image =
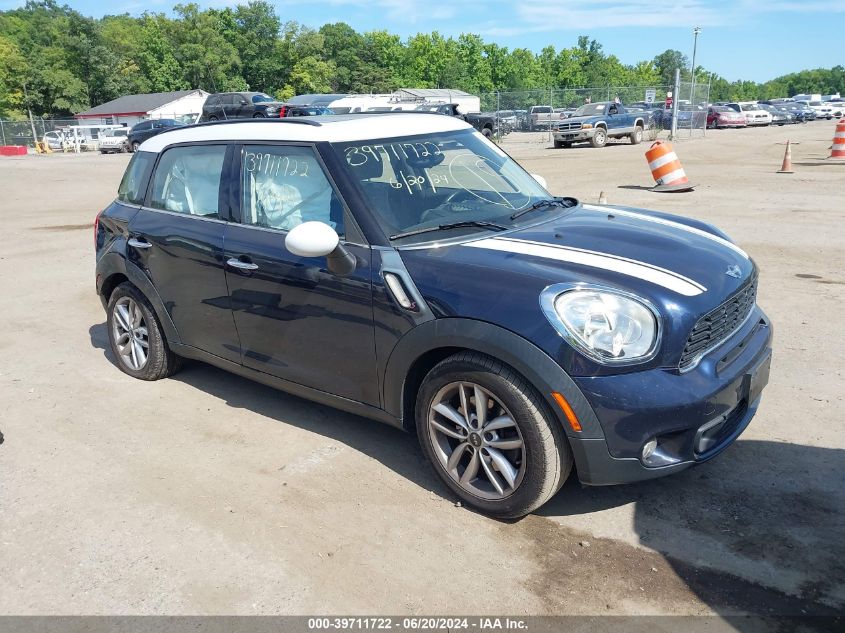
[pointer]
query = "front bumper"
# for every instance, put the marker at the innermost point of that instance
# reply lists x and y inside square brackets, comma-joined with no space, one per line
[574,136]
[694,416]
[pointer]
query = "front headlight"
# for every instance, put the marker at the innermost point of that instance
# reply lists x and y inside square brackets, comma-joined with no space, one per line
[586,126]
[607,326]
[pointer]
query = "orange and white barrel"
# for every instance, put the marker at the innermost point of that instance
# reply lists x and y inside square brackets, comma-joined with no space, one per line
[665,168]
[838,148]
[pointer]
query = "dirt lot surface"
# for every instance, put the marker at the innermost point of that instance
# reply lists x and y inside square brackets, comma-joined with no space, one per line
[209,494]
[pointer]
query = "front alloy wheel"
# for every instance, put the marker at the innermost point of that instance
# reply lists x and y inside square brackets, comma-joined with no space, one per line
[476,440]
[490,436]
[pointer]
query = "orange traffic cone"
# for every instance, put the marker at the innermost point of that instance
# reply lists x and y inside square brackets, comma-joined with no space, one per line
[837,150]
[666,169]
[786,168]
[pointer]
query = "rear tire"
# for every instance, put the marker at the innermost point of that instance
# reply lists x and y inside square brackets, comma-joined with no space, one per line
[637,135]
[136,337]
[212,118]
[508,455]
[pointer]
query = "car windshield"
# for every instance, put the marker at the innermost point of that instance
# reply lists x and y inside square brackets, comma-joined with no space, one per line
[425,181]
[120,132]
[589,109]
[262,98]
[721,109]
[312,111]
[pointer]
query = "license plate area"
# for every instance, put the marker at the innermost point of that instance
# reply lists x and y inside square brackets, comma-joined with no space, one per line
[759,378]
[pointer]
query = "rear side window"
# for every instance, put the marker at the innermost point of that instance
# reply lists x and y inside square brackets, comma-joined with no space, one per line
[187,180]
[133,186]
[284,186]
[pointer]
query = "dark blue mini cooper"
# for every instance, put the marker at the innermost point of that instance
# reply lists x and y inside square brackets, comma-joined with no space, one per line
[404,268]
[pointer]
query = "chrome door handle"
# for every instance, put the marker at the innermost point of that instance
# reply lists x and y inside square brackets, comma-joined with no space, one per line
[136,243]
[236,263]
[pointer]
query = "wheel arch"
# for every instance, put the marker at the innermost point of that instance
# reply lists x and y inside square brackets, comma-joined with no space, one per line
[429,343]
[113,269]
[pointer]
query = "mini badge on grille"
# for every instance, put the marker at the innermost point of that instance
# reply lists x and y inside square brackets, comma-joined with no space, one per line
[734,271]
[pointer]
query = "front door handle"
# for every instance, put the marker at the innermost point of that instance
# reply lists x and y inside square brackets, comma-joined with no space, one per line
[236,263]
[136,243]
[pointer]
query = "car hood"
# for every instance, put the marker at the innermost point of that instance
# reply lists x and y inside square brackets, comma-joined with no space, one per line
[683,267]
[581,119]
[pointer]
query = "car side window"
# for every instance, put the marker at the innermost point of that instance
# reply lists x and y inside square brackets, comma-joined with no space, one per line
[133,185]
[187,180]
[284,186]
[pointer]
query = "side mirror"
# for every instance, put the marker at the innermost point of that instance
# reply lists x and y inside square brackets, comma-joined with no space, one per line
[317,239]
[540,180]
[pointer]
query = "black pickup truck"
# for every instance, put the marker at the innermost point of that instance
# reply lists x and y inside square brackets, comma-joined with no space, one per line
[484,123]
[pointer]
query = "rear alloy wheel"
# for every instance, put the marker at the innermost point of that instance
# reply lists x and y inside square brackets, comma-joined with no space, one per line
[212,118]
[489,437]
[599,138]
[136,337]
[637,135]
[258,115]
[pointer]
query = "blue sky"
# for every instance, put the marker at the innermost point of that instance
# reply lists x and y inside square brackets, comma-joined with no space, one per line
[740,39]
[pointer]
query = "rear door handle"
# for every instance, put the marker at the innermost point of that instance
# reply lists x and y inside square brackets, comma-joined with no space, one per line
[136,243]
[236,263]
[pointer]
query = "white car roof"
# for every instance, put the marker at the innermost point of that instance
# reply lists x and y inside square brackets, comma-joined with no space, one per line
[339,128]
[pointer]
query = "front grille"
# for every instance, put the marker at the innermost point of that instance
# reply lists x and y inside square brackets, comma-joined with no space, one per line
[717,325]
[568,127]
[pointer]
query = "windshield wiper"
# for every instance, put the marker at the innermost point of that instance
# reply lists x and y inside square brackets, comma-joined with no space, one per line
[451,225]
[549,202]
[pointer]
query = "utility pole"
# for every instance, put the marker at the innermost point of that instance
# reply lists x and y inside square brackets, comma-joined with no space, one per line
[695,33]
[29,111]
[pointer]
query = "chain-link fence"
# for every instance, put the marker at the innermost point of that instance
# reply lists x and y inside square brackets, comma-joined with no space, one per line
[542,110]
[19,132]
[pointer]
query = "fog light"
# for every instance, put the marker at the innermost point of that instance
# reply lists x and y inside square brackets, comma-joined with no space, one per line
[649,448]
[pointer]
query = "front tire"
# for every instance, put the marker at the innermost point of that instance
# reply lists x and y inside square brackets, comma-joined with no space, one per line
[599,138]
[487,132]
[489,436]
[136,338]
[135,146]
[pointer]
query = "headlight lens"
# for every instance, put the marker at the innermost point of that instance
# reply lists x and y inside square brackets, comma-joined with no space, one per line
[606,326]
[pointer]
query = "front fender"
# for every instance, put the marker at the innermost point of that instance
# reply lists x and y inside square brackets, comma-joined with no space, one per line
[520,354]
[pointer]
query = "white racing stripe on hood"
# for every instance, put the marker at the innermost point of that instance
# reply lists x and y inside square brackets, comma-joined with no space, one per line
[674,225]
[640,270]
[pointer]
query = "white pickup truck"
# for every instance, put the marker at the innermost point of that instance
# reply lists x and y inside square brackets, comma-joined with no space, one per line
[542,117]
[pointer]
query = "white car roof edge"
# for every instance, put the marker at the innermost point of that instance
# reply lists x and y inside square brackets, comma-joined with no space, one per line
[336,129]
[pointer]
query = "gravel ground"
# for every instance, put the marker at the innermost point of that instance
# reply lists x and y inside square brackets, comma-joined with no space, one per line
[209,494]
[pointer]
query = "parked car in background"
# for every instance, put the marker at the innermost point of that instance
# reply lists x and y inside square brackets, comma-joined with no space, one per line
[689,117]
[541,117]
[801,112]
[54,139]
[140,132]
[597,122]
[754,114]
[288,109]
[779,117]
[837,108]
[484,123]
[723,116]
[420,276]
[116,140]
[239,105]
[508,120]
[823,110]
